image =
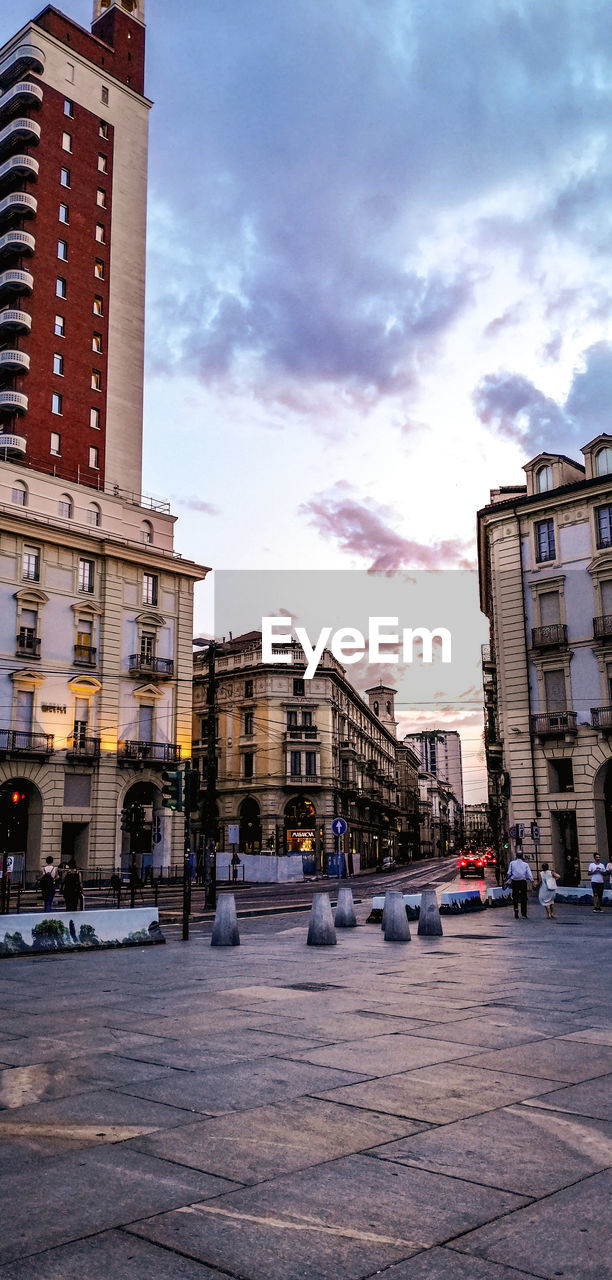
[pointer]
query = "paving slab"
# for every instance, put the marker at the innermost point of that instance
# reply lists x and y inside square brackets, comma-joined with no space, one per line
[59,1119]
[532,1152]
[90,1191]
[111,1255]
[355,1217]
[446,1264]
[20,1086]
[49,1048]
[382,1055]
[565,1235]
[485,1031]
[441,1093]
[554,1059]
[242,1085]
[591,1098]
[272,1140]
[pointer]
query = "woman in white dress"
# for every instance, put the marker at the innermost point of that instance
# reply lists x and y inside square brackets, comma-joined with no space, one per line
[548,889]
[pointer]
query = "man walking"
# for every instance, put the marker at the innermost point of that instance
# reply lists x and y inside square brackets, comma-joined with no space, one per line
[597,871]
[519,874]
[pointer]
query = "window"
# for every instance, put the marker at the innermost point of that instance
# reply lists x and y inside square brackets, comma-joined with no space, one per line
[24,710]
[86,575]
[149,588]
[145,722]
[96,343]
[104,94]
[554,686]
[64,213]
[248,764]
[103,129]
[62,250]
[96,380]
[298,688]
[94,457]
[545,540]
[59,327]
[56,403]
[560,775]
[550,608]
[19,494]
[99,269]
[56,444]
[101,197]
[102,163]
[64,177]
[70,72]
[603,517]
[543,479]
[248,722]
[603,461]
[311,764]
[28,631]
[98,306]
[307,719]
[146,532]
[31,564]
[93,516]
[100,233]
[58,364]
[147,648]
[248,688]
[65,507]
[60,287]
[69,108]
[296,764]
[94,419]
[66,141]
[344,770]
[291,719]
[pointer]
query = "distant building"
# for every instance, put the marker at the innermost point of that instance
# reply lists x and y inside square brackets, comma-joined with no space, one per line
[440,815]
[476,825]
[439,751]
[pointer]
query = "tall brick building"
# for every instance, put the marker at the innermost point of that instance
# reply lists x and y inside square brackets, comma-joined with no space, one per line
[95,607]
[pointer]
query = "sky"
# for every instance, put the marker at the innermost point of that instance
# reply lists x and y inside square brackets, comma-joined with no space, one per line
[379,271]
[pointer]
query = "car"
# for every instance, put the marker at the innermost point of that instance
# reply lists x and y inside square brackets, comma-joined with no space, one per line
[471,863]
[490,856]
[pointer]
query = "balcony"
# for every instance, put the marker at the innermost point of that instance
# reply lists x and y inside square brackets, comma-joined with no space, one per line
[487,654]
[27,645]
[13,361]
[131,751]
[18,204]
[24,59]
[17,242]
[19,168]
[22,742]
[16,281]
[299,733]
[13,402]
[601,718]
[12,446]
[142,664]
[18,321]
[554,724]
[21,131]
[553,636]
[84,749]
[23,95]
[602,627]
[303,779]
[85,655]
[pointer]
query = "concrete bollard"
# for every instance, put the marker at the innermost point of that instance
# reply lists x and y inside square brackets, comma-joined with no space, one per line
[225,929]
[321,932]
[397,928]
[345,917]
[430,924]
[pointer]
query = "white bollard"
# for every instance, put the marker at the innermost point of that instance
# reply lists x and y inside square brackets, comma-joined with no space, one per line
[225,929]
[430,924]
[345,917]
[321,932]
[397,928]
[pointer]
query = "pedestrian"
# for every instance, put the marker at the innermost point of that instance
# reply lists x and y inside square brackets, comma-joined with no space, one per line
[235,865]
[519,875]
[597,871]
[548,889]
[72,887]
[47,883]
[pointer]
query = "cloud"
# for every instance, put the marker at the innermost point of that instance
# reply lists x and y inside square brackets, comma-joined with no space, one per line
[362,529]
[197,504]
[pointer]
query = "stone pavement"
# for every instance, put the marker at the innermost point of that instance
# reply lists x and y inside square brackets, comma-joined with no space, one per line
[439,1108]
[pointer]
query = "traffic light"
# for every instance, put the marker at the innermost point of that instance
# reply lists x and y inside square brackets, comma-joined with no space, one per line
[138,816]
[192,790]
[172,790]
[270,842]
[127,817]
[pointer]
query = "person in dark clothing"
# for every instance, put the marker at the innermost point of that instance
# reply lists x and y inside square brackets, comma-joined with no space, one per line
[48,882]
[72,887]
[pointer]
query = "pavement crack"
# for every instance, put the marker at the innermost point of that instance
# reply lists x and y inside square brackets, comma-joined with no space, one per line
[299,1222]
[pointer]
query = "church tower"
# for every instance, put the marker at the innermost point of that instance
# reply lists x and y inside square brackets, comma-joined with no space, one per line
[382,702]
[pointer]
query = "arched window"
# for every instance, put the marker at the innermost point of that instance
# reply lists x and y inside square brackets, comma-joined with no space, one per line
[147,531]
[388,708]
[64,506]
[94,515]
[543,479]
[19,494]
[375,708]
[603,461]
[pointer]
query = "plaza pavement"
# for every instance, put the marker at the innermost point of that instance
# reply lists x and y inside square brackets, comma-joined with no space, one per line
[441,1108]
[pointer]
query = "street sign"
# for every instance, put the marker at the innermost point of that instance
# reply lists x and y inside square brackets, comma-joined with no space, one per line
[520,830]
[339,826]
[233,833]
[512,833]
[535,832]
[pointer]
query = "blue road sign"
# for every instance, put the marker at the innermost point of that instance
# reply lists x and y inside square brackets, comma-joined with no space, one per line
[338,826]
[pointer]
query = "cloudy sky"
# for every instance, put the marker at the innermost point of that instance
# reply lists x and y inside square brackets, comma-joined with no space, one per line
[380,271]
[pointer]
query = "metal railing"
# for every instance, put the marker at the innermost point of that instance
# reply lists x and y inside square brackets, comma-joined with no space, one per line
[151,665]
[84,748]
[601,717]
[550,637]
[602,627]
[85,655]
[153,752]
[23,740]
[553,724]
[312,779]
[310,733]
[26,643]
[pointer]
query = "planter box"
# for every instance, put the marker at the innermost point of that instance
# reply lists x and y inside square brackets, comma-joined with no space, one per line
[262,868]
[412,903]
[461,900]
[37,932]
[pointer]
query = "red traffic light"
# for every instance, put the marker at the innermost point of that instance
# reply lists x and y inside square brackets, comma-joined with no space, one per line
[17,796]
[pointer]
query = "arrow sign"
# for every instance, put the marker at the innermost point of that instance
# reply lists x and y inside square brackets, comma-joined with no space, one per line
[338,826]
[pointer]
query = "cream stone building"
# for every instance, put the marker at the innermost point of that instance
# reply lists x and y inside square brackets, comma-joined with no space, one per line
[295,753]
[545,558]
